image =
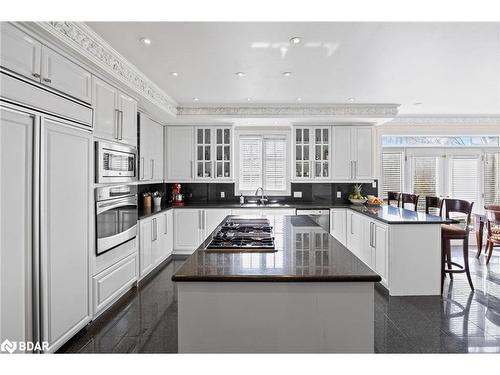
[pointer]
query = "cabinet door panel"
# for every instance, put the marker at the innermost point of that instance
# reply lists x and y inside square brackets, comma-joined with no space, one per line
[381,252]
[146,246]
[187,228]
[342,168]
[16,176]
[105,103]
[20,53]
[179,153]
[65,230]
[363,167]
[64,75]
[213,217]
[128,121]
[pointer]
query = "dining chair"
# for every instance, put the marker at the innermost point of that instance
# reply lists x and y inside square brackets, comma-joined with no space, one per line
[393,196]
[493,231]
[406,198]
[433,202]
[455,232]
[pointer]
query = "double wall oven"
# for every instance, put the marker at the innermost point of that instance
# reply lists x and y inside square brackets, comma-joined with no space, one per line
[115,205]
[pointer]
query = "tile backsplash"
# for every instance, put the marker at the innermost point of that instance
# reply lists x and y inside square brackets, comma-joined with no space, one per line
[311,192]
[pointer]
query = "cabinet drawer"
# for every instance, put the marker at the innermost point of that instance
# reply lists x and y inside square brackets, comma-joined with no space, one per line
[113,282]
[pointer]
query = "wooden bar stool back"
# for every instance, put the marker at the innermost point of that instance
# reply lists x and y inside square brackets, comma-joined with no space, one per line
[433,202]
[455,232]
[406,198]
[393,196]
[493,228]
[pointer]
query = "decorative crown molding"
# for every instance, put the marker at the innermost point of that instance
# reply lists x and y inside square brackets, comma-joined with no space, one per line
[273,110]
[445,120]
[86,42]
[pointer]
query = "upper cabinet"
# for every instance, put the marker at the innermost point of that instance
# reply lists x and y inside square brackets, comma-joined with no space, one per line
[115,113]
[63,75]
[312,153]
[179,159]
[25,56]
[353,153]
[213,153]
[20,53]
[150,149]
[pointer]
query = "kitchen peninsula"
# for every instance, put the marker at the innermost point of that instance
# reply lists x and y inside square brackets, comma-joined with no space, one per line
[311,295]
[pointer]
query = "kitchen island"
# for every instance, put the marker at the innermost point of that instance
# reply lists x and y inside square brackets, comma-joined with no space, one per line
[311,295]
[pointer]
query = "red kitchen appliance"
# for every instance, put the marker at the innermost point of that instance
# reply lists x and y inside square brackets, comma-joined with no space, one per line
[177,197]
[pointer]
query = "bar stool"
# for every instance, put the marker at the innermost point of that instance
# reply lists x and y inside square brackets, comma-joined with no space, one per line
[393,196]
[454,232]
[405,198]
[493,227]
[433,202]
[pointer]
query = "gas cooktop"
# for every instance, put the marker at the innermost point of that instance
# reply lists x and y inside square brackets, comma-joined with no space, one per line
[238,234]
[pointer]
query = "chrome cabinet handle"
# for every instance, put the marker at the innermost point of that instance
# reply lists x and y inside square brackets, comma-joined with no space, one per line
[152,230]
[199,219]
[355,163]
[152,169]
[374,236]
[351,225]
[166,223]
[191,169]
[204,218]
[36,75]
[48,80]
[121,125]
[117,124]
[142,168]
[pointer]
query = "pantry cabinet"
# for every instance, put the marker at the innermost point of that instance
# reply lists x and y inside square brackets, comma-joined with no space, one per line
[115,113]
[179,151]
[150,150]
[311,149]
[353,153]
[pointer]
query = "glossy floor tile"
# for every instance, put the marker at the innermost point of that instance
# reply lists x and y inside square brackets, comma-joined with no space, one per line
[145,320]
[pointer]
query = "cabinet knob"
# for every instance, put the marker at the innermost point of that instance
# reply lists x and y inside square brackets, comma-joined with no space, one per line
[48,80]
[36,75]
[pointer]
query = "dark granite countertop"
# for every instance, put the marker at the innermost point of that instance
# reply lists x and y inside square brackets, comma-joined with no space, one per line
[396,215]
[305,253]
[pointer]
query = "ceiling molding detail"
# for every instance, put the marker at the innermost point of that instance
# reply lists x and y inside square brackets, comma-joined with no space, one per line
[445,120]
[86,42]
[273,110]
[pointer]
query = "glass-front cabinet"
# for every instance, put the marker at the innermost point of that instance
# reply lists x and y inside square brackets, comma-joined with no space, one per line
[312,152]
[213,153]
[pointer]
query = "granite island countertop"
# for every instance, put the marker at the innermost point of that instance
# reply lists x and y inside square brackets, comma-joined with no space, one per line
[397,215]
[305,253]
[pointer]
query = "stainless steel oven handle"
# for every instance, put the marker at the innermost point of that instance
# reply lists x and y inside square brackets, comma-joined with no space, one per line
[101,207]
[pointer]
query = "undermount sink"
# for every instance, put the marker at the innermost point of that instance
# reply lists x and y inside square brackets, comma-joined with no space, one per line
[255,204]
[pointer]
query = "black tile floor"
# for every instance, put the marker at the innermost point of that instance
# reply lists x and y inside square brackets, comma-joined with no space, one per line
[145,320]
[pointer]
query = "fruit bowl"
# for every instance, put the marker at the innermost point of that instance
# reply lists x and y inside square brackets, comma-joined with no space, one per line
[373,204]
[357,201]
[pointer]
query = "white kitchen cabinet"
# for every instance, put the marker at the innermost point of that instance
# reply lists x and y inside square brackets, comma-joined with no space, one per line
[312,158]
[66,203]
[20,53]
[213,153]
[187,230]
[147,237]
[212,218]
[16,177]
[167,235]
[179,151]
[115,113]
[353,153]
[338,224]
[65,76]
[150,150]
[354,233]
[380,245]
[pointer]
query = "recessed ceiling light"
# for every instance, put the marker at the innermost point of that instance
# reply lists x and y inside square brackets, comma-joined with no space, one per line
[287,74]
[299,99]
[146,41]
[295,40]
[351,99]
[240,74]
[196,99]
[174,74]
[249,99]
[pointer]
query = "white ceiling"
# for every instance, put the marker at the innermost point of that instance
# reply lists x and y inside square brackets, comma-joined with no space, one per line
[451,68]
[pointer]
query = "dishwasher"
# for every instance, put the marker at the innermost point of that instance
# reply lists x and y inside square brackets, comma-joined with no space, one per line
[320,217]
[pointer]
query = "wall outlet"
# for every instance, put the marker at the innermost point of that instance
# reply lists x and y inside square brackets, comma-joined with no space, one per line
[297,194]
[222,194]
[339,194]
[374,184]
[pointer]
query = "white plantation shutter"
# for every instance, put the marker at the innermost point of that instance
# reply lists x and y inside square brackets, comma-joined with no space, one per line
[392,172]
[492,178]
[250,163]
[465,179]
[274,164]
[425,178]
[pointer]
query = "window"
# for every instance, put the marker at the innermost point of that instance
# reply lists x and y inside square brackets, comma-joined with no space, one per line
[392,170]
[492,178]
[439,141]
[263,163]
[465,179]
[425,178]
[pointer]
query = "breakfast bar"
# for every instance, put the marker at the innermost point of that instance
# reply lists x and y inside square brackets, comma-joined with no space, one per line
[309,295]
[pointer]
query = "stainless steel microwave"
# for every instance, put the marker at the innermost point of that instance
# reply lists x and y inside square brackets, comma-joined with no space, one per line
[115,163]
